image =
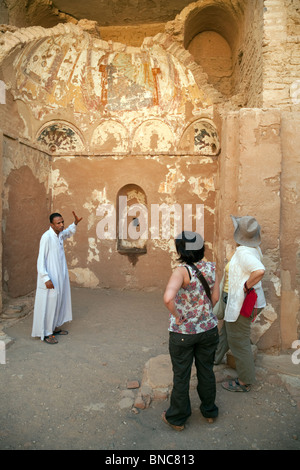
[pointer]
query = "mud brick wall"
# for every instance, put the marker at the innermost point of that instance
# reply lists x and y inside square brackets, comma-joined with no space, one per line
[201,111]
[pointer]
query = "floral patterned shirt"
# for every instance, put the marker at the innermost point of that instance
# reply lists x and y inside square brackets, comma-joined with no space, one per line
[193,304]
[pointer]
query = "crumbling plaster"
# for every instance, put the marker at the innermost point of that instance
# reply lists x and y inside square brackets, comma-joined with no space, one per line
[96,181]
[84,82]
[256,172]
[87,117]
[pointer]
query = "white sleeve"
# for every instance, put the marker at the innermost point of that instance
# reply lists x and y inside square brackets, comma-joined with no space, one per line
[42,259]
[69,231]
[251,263]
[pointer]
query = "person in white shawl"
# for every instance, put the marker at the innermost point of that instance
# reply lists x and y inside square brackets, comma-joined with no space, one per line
[52,305]
[245,268]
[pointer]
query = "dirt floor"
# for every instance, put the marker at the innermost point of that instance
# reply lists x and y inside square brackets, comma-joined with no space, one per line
[74,396]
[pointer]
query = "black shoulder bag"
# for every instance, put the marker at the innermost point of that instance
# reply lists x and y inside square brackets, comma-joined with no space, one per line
[202,280]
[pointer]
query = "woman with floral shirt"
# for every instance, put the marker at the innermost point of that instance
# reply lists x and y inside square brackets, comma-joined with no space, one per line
[193,332]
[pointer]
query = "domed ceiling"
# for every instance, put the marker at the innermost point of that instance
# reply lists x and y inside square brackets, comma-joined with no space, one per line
[76,91]
[48,13]
[122,12]
[77,71]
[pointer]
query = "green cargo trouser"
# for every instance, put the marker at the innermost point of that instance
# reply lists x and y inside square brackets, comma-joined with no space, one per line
[236,337]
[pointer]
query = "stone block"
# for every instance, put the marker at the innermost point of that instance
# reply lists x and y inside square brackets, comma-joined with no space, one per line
[133,384]
[158,372]
[5,342]
[139,403]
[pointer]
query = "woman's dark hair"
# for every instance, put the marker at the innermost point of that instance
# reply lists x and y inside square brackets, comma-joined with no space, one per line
[52,216]
[190,247]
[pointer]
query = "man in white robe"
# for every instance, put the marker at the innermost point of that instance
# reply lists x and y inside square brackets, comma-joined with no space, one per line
[53,305]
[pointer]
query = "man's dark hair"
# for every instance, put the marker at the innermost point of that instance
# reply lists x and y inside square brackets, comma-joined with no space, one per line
[52,216]
[184,247]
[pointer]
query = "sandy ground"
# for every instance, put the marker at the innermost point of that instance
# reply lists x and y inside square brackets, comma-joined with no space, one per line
[72,396]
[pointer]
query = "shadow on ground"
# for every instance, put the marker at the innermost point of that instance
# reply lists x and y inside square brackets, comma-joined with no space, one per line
[74,396]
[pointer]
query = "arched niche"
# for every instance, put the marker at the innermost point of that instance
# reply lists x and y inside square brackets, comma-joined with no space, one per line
[200,138]
[153,136]
[132,221]
[60,137]
[211,50]
[110,137]
[211,35]
[211,18]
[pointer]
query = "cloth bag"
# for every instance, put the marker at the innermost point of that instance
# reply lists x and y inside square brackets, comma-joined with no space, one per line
[249,302]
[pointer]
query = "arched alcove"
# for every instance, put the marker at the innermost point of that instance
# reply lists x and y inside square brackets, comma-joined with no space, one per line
[132,223]
[211,36]
[211,18]
[213,53]
[200,138]
[60,137]
[110,137]
[153,136]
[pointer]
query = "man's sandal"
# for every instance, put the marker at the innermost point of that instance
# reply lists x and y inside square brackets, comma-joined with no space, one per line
[236,386]
[174,426]
[50,339]
[60,332]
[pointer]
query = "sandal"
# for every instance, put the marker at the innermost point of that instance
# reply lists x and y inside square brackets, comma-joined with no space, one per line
[50,339]
[235,386]
[60,332]
[174,426]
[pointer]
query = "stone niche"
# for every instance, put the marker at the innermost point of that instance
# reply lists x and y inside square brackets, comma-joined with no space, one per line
[132,224]
[192,116]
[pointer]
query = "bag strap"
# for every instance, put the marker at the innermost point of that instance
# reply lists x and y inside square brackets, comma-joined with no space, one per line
[202,280]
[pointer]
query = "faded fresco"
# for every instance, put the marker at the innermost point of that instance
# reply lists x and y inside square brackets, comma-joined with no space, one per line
[119,99]
[188,119]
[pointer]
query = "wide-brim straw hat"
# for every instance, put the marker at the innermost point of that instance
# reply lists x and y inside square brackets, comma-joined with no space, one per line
[246,231]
